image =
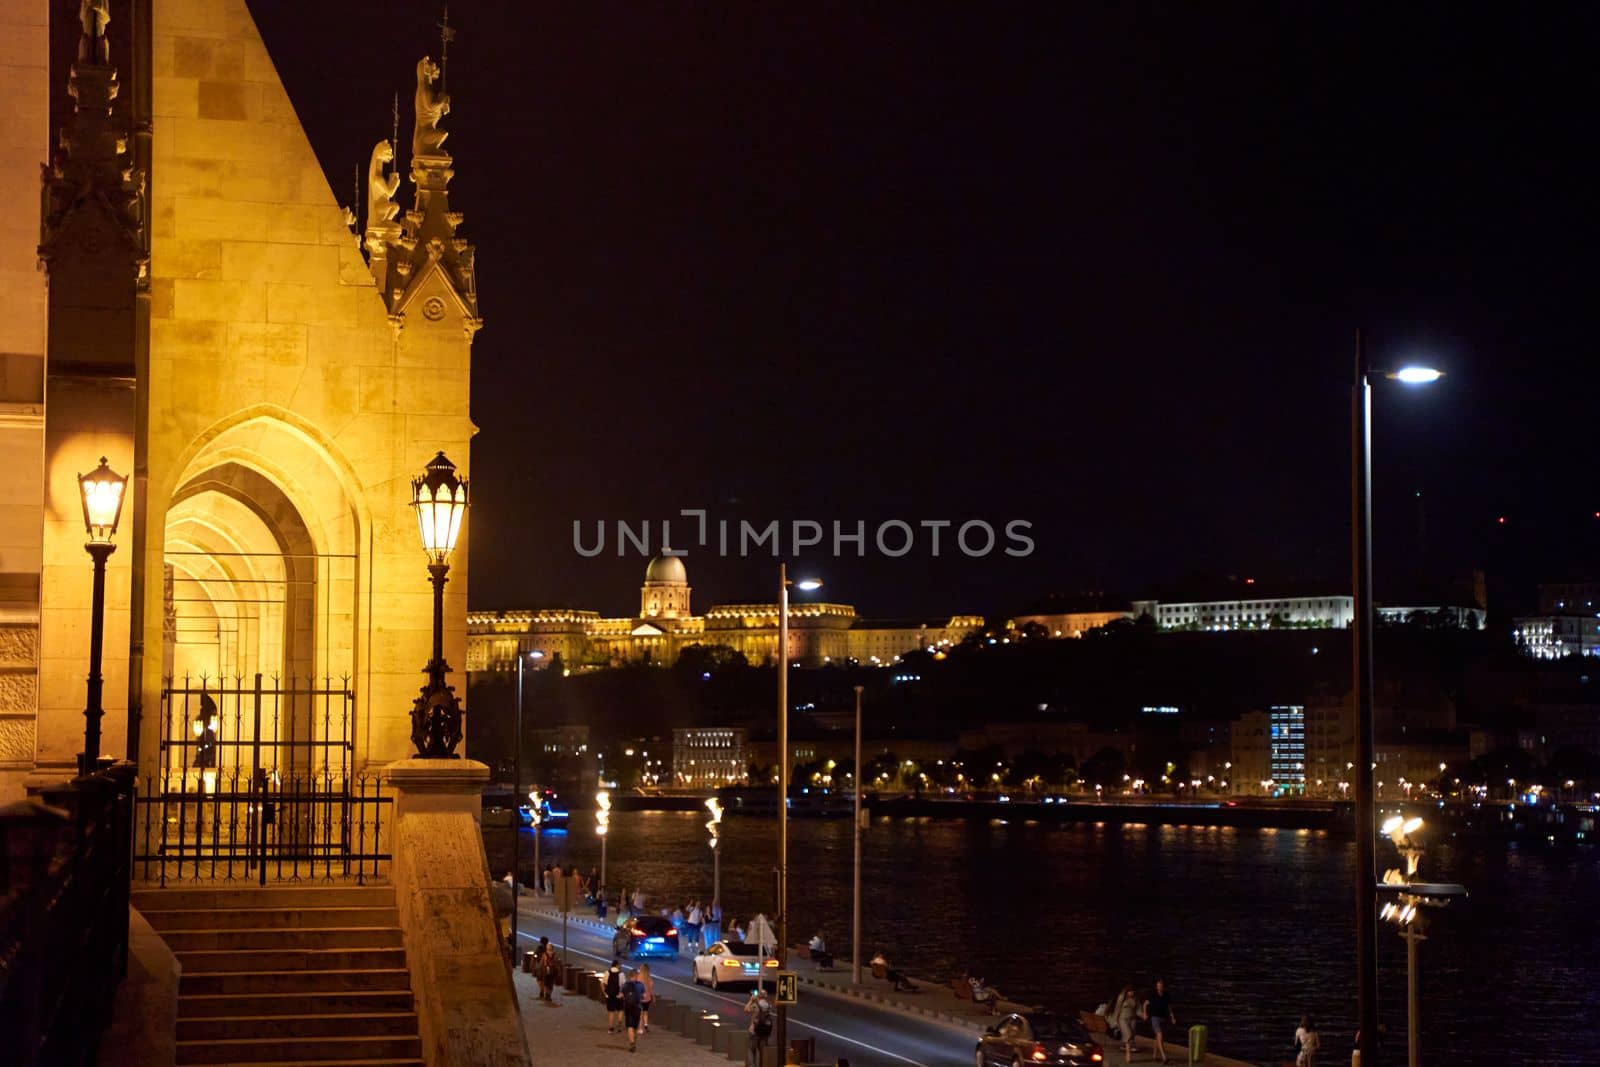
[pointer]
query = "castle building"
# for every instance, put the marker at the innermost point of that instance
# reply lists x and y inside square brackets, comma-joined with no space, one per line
[819,633]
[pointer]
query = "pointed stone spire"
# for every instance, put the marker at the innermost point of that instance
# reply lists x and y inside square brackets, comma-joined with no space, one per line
[90,187]
[423,244]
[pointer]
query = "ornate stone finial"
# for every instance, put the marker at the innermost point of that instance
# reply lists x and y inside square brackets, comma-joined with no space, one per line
[432,105]
[95,16]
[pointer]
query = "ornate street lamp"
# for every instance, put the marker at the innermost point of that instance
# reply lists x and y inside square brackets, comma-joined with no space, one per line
[102,493]
[440,499]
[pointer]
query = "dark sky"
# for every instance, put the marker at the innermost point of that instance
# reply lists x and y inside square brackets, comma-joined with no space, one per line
[1096,267]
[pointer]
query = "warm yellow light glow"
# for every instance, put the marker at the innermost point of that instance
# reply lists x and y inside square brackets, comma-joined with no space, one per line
[101,490]
[441,502]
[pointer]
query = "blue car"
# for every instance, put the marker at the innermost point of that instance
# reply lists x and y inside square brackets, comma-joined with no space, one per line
[644,936]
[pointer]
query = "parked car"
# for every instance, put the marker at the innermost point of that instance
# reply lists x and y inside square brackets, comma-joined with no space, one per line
[730,962]
[1038,1038]
[645,935]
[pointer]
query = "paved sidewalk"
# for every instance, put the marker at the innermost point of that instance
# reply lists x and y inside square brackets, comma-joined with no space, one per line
[572,1029]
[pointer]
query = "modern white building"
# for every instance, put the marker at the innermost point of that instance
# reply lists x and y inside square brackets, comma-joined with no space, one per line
[1253,613]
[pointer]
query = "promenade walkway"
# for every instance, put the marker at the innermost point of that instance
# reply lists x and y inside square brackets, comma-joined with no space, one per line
[572,1029]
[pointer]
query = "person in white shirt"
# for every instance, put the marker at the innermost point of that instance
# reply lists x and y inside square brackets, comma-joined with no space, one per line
[1306,1040]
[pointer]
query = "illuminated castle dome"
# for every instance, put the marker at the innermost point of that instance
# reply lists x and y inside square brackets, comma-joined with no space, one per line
[665,593]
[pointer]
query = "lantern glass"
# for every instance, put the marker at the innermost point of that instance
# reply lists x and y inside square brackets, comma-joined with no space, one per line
[441,502]
[102,491]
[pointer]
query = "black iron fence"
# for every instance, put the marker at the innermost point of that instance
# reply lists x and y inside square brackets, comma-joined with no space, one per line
[63,916]
[259,782]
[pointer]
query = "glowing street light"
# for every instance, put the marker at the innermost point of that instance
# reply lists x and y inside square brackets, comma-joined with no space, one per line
[806,584]
[102,491]
[1363,623]
[1403,912]
[602,823]
[713,827]
[440,500]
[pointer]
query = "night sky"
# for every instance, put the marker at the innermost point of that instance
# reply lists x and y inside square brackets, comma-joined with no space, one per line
[1095,267]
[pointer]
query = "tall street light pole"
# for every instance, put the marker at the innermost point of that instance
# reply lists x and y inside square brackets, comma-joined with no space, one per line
[440,500]
[516,804]
[855,888]
[783,786]
[101,491]
[1362,624]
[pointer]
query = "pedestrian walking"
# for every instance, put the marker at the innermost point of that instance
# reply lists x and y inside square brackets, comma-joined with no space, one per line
[649,997]
[713,929]
[539,973]
[1125,1016]
[760,1011]
[1306,1042]
[693,920]
[614,997]
[1158,1009]
[551,967]
[638,901]
[632,1008]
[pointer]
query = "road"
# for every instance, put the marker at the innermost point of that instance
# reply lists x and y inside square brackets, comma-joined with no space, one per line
[843,1028]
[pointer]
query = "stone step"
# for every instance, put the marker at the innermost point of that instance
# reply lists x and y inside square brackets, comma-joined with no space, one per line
[371,1024]
[202,961]
[298,918]
[236,982]
[408,1062]
[329,1002]
[326,937]
[220,897]
[299,1049]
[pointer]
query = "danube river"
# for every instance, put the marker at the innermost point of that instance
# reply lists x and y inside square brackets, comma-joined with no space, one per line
[1249,927]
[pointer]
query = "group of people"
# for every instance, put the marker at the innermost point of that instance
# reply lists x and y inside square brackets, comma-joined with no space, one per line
[547,969]
[1124,1014]
[698,923]
[629,995]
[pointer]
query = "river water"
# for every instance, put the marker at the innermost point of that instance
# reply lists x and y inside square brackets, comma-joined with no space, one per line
[1249,927]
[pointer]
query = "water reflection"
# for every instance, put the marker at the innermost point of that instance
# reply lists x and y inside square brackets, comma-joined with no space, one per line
[1249,927]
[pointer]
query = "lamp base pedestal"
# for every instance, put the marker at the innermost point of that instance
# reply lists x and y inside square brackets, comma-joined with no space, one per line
[466,1006]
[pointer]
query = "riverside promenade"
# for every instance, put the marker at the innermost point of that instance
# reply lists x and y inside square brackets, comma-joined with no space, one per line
[572,1029]
[868,1024]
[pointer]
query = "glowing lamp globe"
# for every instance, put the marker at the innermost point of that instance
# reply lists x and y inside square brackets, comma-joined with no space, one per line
[441,502]
[102,491]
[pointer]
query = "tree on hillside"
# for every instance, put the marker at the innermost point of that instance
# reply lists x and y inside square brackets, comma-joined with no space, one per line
[1104,768]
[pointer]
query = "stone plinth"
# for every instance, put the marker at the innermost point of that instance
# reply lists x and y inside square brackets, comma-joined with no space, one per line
[466,1007]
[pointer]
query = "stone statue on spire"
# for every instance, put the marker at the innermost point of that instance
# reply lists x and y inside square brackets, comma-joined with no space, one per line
[432,104]
[95,16]
[382,187]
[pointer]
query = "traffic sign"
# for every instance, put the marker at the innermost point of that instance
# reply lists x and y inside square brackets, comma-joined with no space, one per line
[568,892]
[788,987]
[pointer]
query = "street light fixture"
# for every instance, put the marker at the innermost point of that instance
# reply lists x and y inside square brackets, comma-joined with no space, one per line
[806,584]
[713,827]
[102,490]
[1363,624]
[1403,911]
[440,500]
[516,807]
[602,824]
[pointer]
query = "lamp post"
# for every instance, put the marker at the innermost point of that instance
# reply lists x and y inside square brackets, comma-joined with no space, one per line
[1409,894]
[713,827]
[102,492]
[855,887]
[602,823]
[516,806]
[783,783]
[440,499]
[1362,624]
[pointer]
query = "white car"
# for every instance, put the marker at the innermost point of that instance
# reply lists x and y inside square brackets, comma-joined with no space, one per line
[730,963]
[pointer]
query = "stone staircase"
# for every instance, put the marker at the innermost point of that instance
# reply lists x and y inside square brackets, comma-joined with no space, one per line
[288,975]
